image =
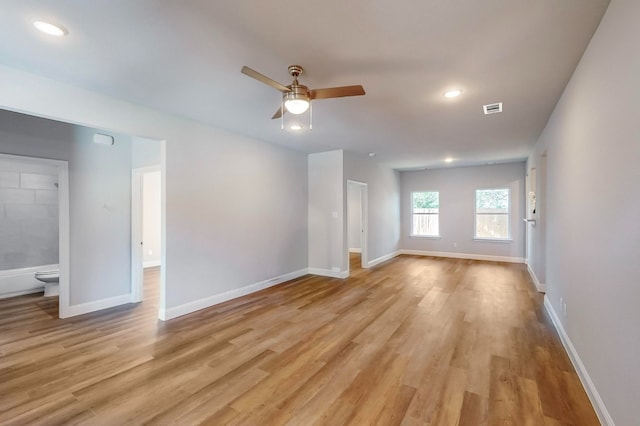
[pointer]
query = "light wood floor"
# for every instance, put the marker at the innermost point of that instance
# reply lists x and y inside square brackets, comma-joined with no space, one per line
[414,341]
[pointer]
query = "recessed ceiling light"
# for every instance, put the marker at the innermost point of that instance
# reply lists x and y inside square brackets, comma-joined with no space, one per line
[453,93]
[448,160]
[372,154]
[295,127]
[50,29]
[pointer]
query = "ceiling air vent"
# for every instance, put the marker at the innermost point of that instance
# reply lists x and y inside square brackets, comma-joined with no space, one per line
[492,108]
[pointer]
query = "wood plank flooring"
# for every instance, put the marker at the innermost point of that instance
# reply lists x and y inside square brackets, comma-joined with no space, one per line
[415,341]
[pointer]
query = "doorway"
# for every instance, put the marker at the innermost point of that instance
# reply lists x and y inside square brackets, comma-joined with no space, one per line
[62,170]
[357,230]
[146,230]
[530,213]
[541,226]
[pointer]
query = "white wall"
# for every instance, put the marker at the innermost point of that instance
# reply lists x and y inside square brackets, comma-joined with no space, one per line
[151,219]
[326,213]
[383,187]
[355,216]
[457,188]
[100,199]
[234,208]
[593,235]
[236,215]
[145,152]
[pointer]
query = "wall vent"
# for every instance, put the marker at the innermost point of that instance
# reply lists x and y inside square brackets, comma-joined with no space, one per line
[492,108]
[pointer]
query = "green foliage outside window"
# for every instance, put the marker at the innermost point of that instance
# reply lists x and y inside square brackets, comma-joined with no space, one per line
[426,200]
[492,199]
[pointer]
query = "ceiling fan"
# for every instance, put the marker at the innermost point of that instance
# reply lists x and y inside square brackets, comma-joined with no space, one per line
[296,97]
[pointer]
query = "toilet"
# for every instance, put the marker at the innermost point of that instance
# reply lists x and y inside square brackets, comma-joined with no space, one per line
[51,280]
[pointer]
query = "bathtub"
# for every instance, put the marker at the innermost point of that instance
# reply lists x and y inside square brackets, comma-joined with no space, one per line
[16,282]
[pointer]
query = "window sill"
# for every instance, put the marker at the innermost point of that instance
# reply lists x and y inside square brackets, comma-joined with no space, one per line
[428,237]
[493,240]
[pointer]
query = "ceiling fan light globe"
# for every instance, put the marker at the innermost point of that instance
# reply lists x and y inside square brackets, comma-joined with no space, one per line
[296,106]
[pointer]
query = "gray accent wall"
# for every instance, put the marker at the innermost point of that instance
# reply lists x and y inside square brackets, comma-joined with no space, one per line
[28,214]
[592,146]
[457,186]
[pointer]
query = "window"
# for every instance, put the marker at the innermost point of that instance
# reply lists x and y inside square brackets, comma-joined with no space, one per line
[425,207]
[492,214]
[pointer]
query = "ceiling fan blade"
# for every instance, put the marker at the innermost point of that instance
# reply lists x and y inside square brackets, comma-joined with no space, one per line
[336,92]
[279,113]
[264,79]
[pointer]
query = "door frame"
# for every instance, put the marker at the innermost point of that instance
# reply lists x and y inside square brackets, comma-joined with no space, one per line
[364,223]
[62,167]
[137,254]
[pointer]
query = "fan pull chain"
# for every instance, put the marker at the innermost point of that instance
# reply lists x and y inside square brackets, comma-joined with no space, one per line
[310,115]
[282,113]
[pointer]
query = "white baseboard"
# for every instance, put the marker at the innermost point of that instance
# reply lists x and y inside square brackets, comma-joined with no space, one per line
[98,305]
[151,263]
[542,288]
[381,259]
[22,292]
[464,256]
[355,250]
[328,273]
[587,383]
[196,305]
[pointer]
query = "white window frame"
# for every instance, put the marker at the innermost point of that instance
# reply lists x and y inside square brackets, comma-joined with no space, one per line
[508,214]
[412,233]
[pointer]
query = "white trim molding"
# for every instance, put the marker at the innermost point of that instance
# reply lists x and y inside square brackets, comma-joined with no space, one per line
[328,273]
[97,305]
[464,256]
[355,250]
[196,305]
[587,383]
[151,263]
[542,288]
[384,258]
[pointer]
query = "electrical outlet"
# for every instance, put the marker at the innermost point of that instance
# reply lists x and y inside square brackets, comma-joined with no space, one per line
[455,245]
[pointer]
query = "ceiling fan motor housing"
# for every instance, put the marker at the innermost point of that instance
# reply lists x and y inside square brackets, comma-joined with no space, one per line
[298,91]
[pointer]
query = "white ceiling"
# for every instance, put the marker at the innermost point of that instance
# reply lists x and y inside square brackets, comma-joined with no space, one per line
[184,57]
